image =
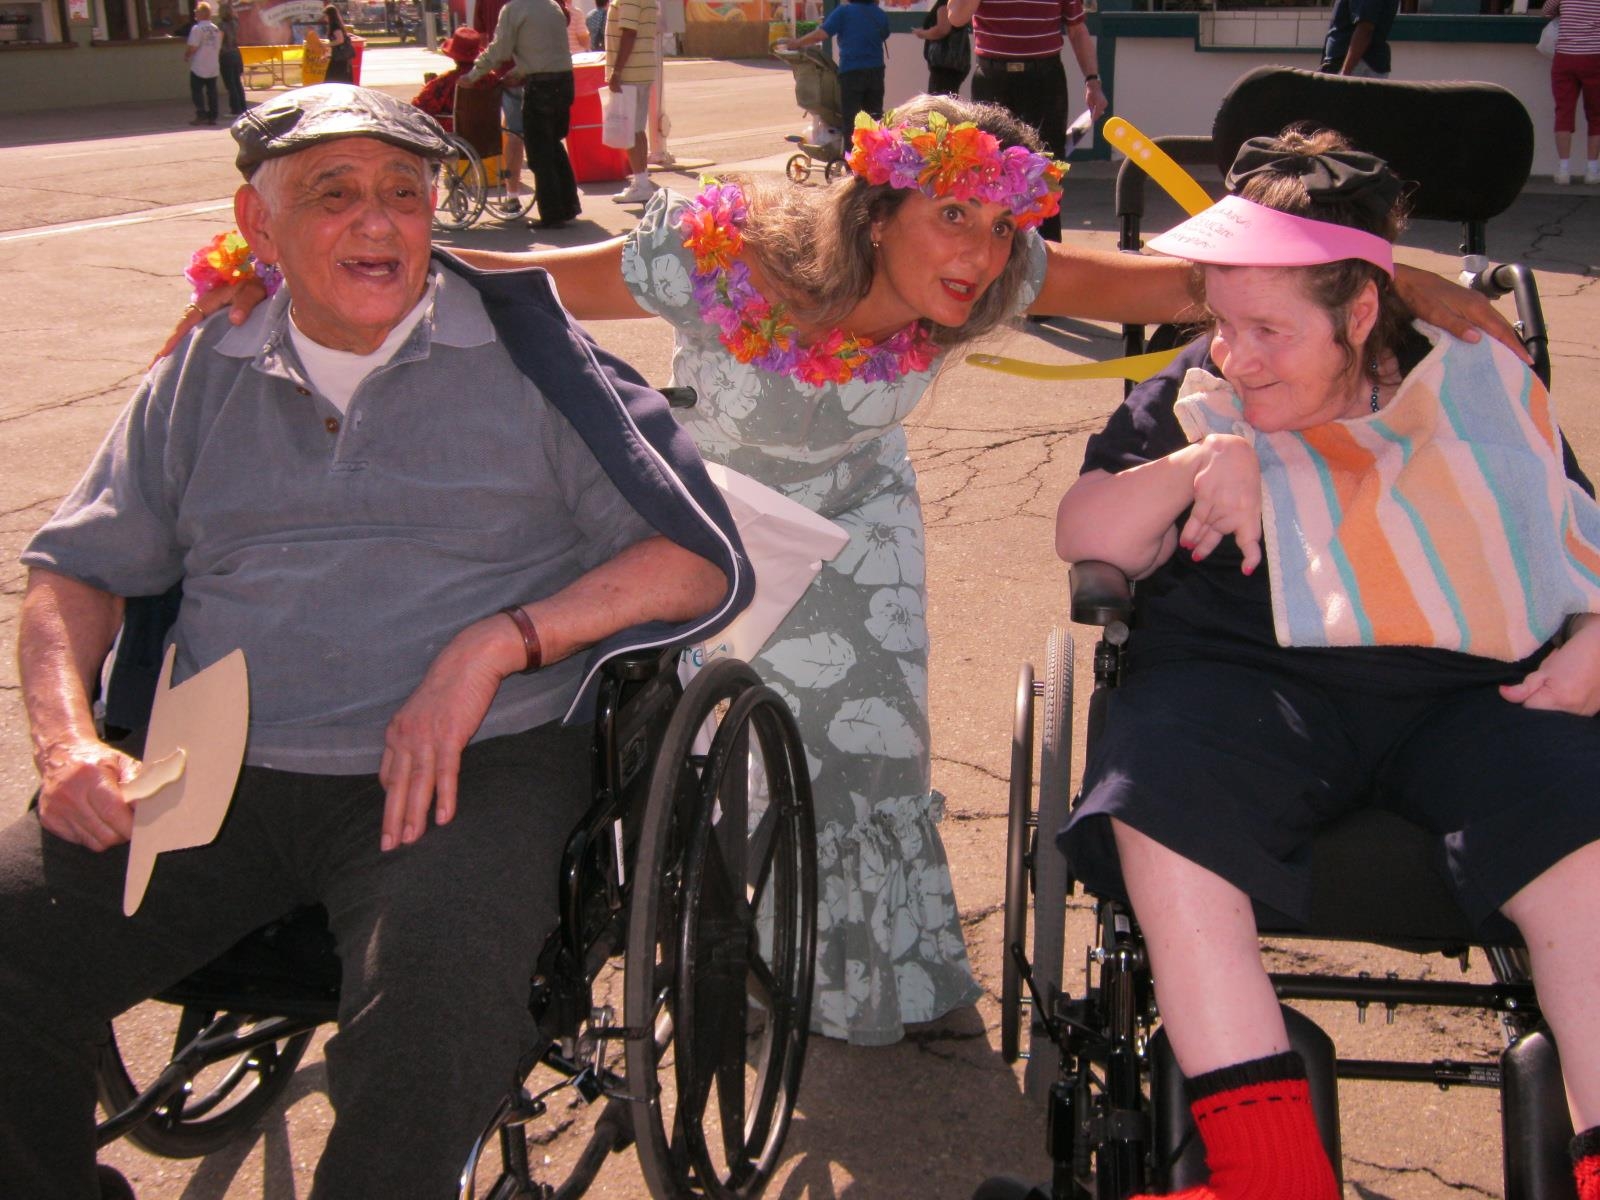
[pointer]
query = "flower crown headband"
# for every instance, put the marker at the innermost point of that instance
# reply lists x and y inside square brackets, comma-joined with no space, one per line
[960,161]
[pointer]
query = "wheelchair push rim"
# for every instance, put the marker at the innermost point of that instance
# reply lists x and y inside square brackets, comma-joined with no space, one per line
[721,944]
[460,190]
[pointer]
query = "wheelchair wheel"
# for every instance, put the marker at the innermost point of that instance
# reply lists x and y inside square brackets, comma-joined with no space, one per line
[460,187]
[835,170]
[721,940]
[226,1096]
[1016,910]
[1048,865]
[1033,865]
[798,168]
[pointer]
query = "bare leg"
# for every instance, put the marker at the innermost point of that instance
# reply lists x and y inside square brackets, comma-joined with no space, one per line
[1217,1004]
[1250,1100]
[655,134]
[1557,916]
[511,154]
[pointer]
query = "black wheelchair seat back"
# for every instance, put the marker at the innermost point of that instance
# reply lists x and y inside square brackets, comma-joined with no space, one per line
[1466,147]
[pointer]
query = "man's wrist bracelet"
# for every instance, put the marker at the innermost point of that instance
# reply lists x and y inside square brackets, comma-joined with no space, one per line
[530,637]
[1091,79]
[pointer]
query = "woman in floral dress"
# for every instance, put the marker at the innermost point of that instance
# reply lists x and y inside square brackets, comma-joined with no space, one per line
[810,321]
[851,659]
[809,400]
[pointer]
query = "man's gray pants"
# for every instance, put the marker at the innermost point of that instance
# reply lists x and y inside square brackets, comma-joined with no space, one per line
[437,940]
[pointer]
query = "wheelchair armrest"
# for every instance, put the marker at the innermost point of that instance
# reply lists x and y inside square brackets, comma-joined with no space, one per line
[636,666]
[1101,594]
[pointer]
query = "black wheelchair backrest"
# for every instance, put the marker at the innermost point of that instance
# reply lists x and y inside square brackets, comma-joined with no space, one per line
[1466,147]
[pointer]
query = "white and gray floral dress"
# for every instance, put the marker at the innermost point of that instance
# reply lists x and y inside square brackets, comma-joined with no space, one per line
[851,659]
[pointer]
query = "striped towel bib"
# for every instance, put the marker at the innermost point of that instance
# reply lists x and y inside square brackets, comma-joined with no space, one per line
[1446,520]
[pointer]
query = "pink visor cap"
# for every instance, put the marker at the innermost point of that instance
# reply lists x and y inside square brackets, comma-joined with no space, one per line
[1235,232]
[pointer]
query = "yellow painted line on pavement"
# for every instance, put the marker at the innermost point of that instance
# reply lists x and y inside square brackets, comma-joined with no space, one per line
[170,213]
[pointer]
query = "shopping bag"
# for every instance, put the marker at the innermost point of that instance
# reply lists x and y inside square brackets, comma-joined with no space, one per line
[617,131]
[1547,37]
[786,543]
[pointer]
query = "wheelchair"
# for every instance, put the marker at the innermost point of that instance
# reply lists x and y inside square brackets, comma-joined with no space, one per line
[465,182]
[694,865]
[1117,1119]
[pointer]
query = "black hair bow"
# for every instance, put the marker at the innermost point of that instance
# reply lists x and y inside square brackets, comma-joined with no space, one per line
[1348,175]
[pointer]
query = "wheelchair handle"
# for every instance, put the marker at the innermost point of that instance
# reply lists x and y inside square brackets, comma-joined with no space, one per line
[1516,279]
[681,397]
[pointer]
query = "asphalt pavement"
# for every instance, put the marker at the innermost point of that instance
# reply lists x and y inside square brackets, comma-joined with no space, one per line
[99,210]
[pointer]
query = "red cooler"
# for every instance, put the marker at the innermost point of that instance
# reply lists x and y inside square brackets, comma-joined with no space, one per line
[359,45]
[592,160]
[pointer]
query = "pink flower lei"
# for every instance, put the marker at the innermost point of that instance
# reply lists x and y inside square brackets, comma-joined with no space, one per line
[756,330]
[960,161]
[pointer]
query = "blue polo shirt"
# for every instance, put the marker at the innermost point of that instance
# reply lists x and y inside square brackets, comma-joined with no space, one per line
[860,27]
[343,551]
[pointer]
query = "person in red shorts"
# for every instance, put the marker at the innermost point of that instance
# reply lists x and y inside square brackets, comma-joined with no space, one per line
[1574,72]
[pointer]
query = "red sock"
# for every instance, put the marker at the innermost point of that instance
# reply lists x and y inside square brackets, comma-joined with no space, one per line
[1586,1163]
[1260,1135]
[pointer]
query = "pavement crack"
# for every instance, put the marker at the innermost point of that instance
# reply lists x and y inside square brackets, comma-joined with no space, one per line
[118,388]
[972,917]
[1426,1172]
[147,272]
[988,772]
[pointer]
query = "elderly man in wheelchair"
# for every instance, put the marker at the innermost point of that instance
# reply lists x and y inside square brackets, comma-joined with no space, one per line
[414,497]
[1369,574]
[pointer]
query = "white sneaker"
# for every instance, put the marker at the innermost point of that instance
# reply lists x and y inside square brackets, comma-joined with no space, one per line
[665,159]
[1563,177]
[638,191]
[1592,175]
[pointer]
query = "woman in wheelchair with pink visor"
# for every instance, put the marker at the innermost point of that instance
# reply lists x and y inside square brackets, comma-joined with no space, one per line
[1369,575]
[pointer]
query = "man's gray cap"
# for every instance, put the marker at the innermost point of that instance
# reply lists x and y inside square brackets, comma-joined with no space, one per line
[307,116]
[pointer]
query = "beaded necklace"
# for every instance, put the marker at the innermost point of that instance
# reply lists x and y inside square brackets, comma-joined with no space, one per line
[758,331]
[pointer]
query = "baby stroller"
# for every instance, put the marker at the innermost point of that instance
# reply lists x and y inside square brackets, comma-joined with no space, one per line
[816,90]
